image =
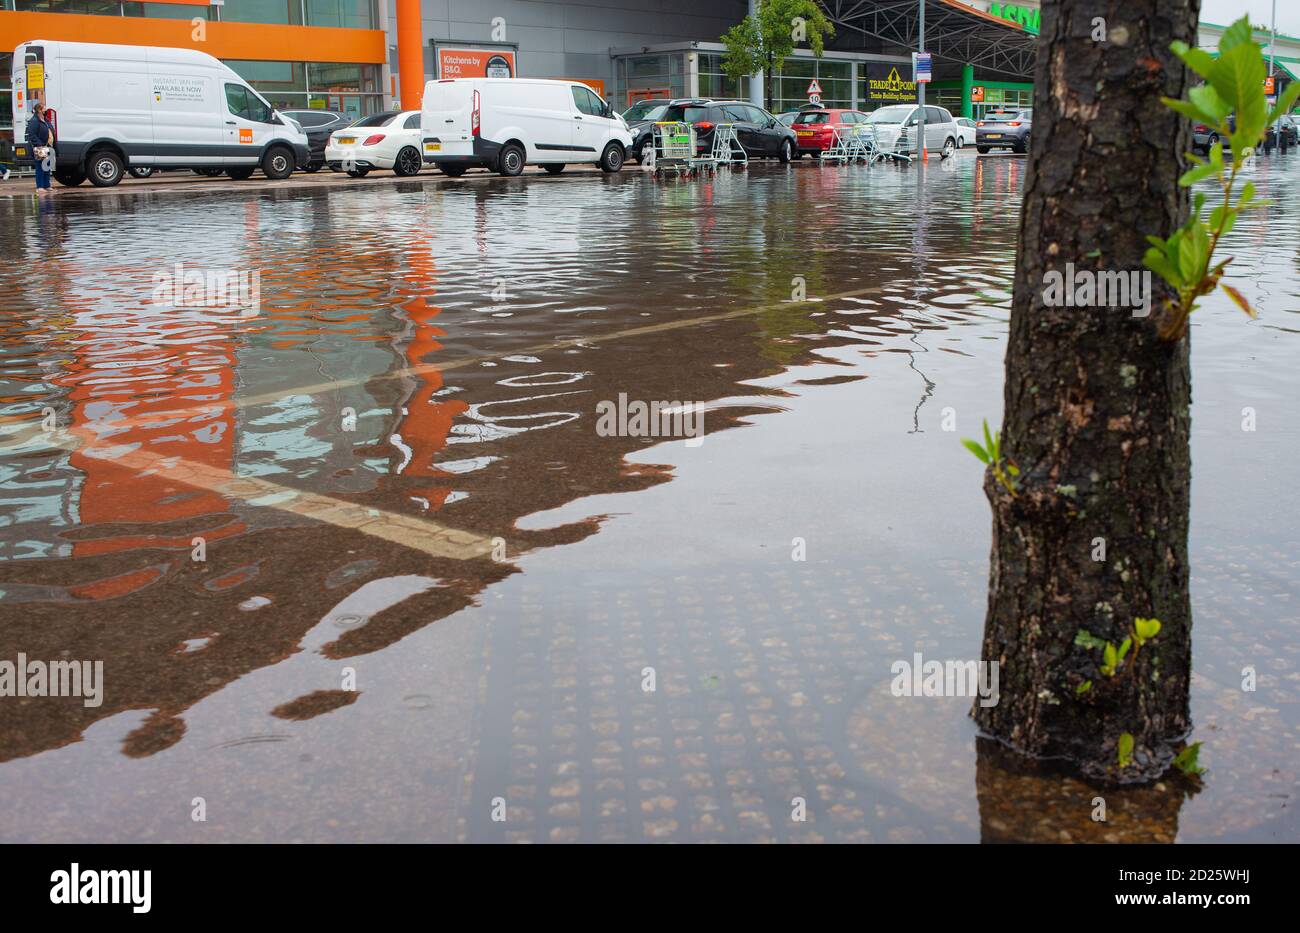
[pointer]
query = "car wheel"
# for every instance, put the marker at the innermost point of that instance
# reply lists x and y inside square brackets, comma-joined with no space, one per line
[451,170]
[104,168]
[787,151]
[408,162]
[1209,143]
[949,147]
[511,161]
[209,172]
[69,178]
[240,173]
[554,169]
[611,160]
[982,150]
[1021,145]
[311,169]
[358,172]
[143,171]
[277,163]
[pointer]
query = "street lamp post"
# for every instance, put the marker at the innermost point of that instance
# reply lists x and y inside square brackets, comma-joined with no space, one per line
[920,88]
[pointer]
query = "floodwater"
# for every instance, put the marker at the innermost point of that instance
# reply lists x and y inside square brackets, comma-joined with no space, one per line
[361,566]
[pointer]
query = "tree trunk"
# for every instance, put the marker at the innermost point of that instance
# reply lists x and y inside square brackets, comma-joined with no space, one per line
[1096,408]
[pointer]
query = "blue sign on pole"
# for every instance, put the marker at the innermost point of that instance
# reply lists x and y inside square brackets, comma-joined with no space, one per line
[922,63]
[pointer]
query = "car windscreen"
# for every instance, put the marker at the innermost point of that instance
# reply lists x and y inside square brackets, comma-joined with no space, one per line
[812,117]
[890,114]
[644,111]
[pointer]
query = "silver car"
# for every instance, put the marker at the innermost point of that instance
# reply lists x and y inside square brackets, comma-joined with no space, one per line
[942,135]
[1004,129]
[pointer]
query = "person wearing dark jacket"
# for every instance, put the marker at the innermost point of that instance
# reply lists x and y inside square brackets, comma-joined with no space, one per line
[40,133]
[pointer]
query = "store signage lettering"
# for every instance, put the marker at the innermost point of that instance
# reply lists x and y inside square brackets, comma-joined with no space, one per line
[885,85]
[1027,17]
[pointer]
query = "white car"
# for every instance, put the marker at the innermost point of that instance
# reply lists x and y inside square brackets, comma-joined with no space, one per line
[965,131]
[385,140]
[889,123]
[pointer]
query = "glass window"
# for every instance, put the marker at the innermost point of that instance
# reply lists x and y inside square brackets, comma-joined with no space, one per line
[891,114]
[645,110]
[586,101]
[249,106]
[95,7]
[279,12]
[812,116]
[412,122]
[378,119]
[349,14]
[935,115]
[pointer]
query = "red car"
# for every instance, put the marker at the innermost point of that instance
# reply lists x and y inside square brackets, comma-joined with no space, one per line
[813,128]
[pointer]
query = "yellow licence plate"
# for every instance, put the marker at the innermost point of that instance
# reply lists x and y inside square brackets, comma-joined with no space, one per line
[993,135]
[803,133]
[347,140]
[432,147]
[20,152]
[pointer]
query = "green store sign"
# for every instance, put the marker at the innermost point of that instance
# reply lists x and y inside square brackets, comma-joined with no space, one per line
[1025,16]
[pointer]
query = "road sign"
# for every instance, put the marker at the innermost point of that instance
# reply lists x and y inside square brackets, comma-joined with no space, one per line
[814,89]
[1270,85]
[921,61]
[977,94]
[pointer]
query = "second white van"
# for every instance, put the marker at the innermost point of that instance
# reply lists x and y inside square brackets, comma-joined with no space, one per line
[132,106]
[503,124]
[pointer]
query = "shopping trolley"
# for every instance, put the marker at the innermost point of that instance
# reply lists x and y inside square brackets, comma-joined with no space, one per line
[727,149]
[674,145]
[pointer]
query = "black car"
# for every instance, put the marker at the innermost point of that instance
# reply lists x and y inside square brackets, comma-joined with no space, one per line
[318,125]
[761,134]
[640,119]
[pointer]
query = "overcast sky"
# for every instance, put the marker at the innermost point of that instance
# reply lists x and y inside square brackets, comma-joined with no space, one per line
[1261,13]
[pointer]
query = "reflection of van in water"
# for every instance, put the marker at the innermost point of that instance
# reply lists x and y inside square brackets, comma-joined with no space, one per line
[119,106]
[505,124]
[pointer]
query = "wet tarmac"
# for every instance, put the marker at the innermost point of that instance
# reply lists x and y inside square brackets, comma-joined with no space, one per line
[362,564]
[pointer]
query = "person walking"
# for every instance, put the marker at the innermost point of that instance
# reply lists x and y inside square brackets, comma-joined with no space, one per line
[40,136]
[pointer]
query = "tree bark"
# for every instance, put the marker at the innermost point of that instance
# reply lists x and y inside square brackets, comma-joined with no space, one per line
[1097,405]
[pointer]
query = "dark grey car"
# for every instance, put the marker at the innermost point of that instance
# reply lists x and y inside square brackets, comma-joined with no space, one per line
[1004,129]
[318,125]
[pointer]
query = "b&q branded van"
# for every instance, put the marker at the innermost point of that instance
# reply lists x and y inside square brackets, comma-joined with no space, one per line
[120,106]
[506,123]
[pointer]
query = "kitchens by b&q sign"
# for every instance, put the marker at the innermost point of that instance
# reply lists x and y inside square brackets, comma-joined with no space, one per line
[885,84]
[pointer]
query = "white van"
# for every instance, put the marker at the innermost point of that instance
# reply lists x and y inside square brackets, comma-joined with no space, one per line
[506,123]
[120,106]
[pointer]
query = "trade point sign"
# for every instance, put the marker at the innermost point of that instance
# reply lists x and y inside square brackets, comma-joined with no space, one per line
[884,85]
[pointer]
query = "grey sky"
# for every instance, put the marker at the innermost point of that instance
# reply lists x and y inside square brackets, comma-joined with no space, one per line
[1261,13]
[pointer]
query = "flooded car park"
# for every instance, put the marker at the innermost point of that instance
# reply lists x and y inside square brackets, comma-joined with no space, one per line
[360,566]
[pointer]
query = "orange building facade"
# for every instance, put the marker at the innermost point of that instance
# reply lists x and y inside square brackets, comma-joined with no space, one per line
[300,54]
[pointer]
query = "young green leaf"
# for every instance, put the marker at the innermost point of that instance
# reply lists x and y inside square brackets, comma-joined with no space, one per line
[1086,639]
[1186,760]
[976,449]
[1146,629]
[1125,749]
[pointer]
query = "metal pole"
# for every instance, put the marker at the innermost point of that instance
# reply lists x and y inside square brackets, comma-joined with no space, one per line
[1272,45]
[920,88]
[756,96]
